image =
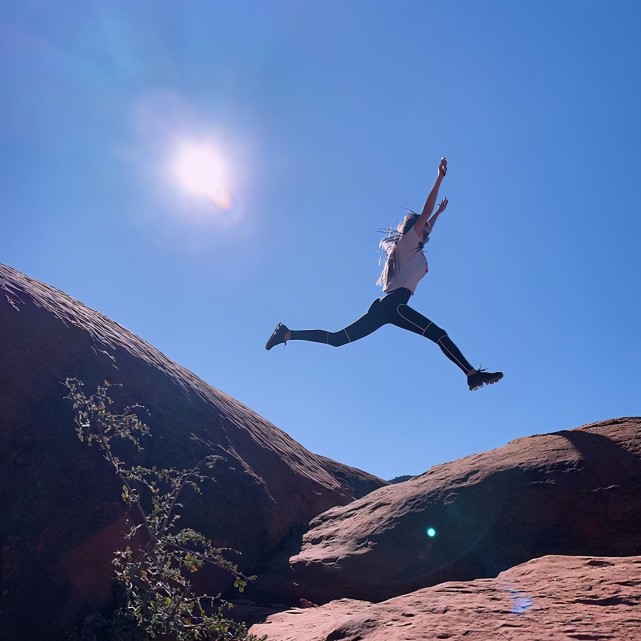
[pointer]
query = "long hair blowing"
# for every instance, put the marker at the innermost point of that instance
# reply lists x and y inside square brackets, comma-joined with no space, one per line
[388,245]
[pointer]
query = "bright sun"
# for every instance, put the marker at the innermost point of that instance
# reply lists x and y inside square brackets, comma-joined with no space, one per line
[200,169]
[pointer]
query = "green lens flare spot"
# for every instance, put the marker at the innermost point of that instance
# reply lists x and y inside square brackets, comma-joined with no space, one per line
[431,532]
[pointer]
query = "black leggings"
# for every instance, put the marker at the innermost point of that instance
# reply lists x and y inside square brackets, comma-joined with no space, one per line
[392,308]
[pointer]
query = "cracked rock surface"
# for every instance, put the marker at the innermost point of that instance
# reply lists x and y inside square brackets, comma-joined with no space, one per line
[554,598]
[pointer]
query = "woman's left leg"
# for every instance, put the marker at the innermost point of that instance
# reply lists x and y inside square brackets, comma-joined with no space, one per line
[365,325]
[408,318]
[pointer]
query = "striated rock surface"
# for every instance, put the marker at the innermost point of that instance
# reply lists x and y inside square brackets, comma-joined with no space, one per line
[554,598]
[574,492]
[61,517]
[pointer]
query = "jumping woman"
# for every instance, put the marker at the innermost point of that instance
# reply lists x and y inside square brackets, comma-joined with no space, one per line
[404,268]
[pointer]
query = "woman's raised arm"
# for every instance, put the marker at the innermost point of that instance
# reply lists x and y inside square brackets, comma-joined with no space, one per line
[428,208]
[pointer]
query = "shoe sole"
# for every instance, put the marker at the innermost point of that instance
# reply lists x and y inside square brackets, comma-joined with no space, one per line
[496,380]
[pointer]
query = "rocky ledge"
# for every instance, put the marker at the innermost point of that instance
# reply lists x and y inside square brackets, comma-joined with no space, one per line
[554,598]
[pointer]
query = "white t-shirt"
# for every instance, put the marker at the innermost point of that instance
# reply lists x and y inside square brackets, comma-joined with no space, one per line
[411,264]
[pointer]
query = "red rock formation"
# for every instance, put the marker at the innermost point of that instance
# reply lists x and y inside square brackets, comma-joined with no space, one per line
[61,516]
[573,492]
[548,599]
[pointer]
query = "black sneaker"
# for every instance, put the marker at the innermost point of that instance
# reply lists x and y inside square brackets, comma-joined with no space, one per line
[481,377]
[278,336]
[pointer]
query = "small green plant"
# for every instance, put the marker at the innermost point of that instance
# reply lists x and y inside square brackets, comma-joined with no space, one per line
[156,573]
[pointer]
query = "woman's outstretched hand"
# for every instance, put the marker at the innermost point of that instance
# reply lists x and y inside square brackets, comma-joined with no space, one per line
[442,206]
[442,168]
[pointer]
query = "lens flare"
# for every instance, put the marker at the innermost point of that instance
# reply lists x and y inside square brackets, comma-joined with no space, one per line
[521,602]
[200,169]
[431,532]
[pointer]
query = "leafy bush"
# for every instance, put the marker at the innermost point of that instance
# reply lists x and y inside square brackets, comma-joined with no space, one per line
[155,574]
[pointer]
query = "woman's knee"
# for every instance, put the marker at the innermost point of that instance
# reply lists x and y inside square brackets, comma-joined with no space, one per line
[338,339]
[420,324]
[434,332]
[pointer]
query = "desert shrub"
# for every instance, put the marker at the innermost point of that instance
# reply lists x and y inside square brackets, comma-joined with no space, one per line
[154,571]
[401,479]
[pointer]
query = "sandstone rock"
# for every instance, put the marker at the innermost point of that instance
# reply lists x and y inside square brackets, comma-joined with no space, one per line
[553,598]
[572,492]
[61,517]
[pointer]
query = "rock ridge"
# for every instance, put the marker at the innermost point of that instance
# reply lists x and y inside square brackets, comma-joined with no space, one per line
[570,492]
[61,517]
[552,598]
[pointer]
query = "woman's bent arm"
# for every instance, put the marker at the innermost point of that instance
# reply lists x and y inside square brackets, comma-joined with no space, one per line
[441,208]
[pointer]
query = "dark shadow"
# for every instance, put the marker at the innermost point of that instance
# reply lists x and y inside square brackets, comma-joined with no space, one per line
[606,454]
[273,590]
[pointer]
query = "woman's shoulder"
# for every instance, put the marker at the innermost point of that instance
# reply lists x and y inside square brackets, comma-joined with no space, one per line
[410,239]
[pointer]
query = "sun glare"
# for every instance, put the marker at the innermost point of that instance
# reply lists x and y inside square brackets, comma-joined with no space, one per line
[200,170]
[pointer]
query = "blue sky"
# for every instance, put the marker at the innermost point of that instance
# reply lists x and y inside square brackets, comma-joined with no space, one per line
[322,118]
